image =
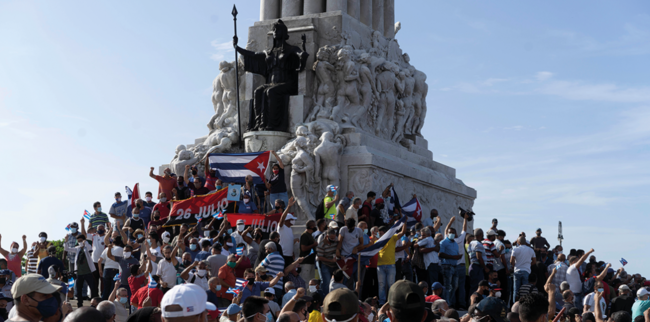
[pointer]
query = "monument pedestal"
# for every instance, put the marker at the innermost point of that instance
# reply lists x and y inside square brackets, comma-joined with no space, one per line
[265,140]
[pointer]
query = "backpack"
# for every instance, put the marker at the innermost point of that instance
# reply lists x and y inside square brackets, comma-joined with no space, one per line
[320,210]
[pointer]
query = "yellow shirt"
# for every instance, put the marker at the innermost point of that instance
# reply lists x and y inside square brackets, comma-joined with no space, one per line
[314,316]
[387,254]
[42,252]
[331,212]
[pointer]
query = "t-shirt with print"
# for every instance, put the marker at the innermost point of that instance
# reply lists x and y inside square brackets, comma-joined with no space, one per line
[118,209]
[474,248]
[589,300]
[330,213]
[125,268]
[351,240]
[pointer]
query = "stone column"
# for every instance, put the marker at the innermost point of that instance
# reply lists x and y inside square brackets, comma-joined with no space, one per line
[354,9]
[378,15]
[366,12]
[269,9]
[314,6]
[389,18]
[336,5]
[291,8]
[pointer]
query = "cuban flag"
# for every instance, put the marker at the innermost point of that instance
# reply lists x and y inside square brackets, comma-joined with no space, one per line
[234,167]
[623,261]
[413,211]
[393,201]
[70,283]
[379,244]
[133,194]
[117,277]
[87,214]
[152,282]
[239,287]
[240,251]
[219,215]
[67,227]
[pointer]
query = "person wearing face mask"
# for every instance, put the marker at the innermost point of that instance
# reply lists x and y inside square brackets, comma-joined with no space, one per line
[135,222]
[83,266]
[181,191]
[250,188]
[197,273]
[449,255]
[247,206]
[196,187]
[481,292]
[242,234]
[96,237]
[144,213]
[286,233]
[308,246]
[214,285]
[228,280]
[14,256]
[194,248]
[326,256]
[366,208]
[146,296]
[5,300]
[376,214]
[118,210]
[165,182]
[120,298]
[34,298]
[148,200]
[167,267]
[6,284]
[589,303]
[269,294]
[98,217]
[256,282]
[274,263]
[41,246]
[163,207]
[125,261]
[276,185]
[500,263]
[31,264]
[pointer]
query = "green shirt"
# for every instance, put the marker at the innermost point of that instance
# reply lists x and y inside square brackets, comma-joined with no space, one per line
[98,219]
[330,213]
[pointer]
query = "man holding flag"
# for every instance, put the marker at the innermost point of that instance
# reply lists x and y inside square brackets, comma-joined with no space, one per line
[386,264]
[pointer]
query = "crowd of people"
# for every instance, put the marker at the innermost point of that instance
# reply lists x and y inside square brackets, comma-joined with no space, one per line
[130,266]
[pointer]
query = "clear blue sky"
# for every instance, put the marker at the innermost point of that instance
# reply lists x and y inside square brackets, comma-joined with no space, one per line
[543,107]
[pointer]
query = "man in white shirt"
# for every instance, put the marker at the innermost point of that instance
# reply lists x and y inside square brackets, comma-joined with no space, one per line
[429,249]
[353,210]
[589,305]
[573,277]
[198,276]
[167,269]
[523,257]
[108,269]
[286,233]
[96,236]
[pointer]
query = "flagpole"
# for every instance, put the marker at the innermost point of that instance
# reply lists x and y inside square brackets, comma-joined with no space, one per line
[234,16]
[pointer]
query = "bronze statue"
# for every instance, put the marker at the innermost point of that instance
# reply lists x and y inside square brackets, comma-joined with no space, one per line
[269,110]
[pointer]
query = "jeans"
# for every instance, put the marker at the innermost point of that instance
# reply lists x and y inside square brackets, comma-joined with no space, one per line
[98,280]
[476,275]
[521,278]
[79,284]
[107,280]
[577,300]
[386,277]
[461,275]
[282,196]
[433,270]
[450,283]
[326,276]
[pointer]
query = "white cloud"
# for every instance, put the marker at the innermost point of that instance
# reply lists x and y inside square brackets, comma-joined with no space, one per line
[222,48]
[578,90]
[542,76]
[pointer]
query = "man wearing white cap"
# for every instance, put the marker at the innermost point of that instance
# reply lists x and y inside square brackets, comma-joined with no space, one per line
[641,305]
[286,233]
[242,235]
[624,301]
[33,298]
[186,302]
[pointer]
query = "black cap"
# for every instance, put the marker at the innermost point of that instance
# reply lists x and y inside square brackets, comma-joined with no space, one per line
[42,234]
[405,295]
[493,307]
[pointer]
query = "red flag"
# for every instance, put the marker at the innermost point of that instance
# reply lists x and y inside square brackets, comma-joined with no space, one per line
[259,164]
[135,196]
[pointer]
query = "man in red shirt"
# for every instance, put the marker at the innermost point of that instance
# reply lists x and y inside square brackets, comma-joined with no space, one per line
[163,207]
[165,183]
[437,293]
[366,208]
[146,296]
[228,279]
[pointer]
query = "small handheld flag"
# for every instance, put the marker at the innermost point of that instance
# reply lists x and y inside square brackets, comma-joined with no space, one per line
[67,227]
[218,215]
[152,282]
[240,251]
[117,277]
[623,261]
[87,214]
[70,283]
[239,287]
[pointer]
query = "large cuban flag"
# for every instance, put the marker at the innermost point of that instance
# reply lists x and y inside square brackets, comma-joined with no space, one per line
[379,244]
[234,167]
[393,202]
[413,211]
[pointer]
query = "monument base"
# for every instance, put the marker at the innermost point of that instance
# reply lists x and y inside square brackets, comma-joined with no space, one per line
[258,141]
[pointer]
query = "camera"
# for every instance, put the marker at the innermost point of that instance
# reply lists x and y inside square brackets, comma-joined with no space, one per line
[469,215]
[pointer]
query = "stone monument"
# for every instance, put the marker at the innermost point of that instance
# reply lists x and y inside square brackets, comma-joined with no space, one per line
[352,118]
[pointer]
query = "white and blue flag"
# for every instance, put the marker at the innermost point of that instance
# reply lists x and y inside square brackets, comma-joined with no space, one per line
[413,211]
[379,244]
[393,201]
[234,167]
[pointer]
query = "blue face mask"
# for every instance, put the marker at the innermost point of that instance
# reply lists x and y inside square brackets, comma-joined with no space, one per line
[73,230]
[136,216]
[218,187]
[140,236]
[218,287]
[365,231]
[123,300]
[452,236]
[601,290]
[229,231]
[193,246]
[47,307]
[269,317]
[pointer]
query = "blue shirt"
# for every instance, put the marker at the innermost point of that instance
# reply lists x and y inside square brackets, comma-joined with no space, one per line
[258,287]
[202,255]
[366,241]
[247,208]
[274,263]
[288,296]
[449,247]
[193,253]
[212,298]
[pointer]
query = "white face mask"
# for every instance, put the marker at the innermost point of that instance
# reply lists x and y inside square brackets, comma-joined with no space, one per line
[497,294]
[241,227]
[14,250]
[201,272]
[163,199]
[312,288]
[127,254]
[206,234]
[148,199]
[246,200]
[166,239]
[371,316]
[43,239]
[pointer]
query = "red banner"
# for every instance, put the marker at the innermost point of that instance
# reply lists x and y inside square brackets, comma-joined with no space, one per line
[189,211]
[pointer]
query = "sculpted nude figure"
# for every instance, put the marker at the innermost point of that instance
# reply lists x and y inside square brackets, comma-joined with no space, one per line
[347,84]
[327,160]
[302,173]
[388,87]
[223,95]
[368,89]
[326,93]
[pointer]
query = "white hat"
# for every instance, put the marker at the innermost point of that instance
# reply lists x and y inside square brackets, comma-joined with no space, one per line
[642,292]
[241,221]
[34,283]
[624,287]
[166,233]
[290,217]
[492,232]
[269,290]
[192,299]
[333,224]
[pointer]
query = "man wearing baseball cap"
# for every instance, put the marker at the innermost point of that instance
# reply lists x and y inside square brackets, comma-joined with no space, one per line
[341,305]
[642,303]
[492,307]
[33,298]
[624,301]
[187,301]
[406,300]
